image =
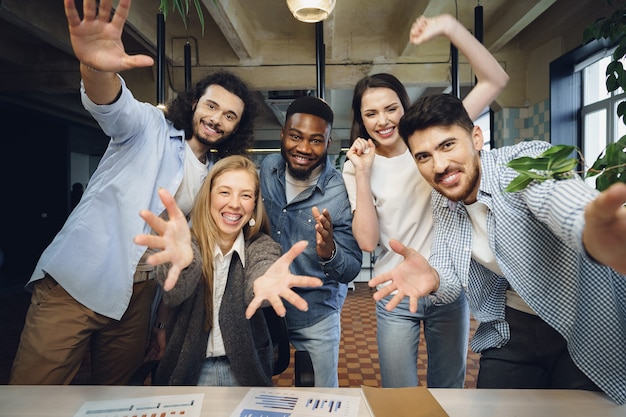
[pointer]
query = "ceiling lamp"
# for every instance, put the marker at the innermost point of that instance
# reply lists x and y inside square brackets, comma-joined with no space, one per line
[311,11]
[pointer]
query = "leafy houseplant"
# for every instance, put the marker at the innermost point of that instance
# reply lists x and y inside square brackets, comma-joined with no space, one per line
[556,162]
[182,7]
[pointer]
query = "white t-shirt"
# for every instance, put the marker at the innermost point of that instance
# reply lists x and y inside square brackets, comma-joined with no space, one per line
[403,205]
[482,253]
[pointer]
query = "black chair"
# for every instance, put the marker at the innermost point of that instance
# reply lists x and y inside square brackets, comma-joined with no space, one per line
[303,367]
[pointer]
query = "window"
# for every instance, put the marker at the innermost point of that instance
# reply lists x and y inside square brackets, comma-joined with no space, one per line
[600,125]
[484,121]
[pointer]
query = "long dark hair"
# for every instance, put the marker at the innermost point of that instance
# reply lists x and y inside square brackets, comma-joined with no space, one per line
[180,112]
[383,80]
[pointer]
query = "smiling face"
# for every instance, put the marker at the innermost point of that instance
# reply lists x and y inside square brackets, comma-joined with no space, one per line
[449,159]
[216,115]
[381,110]
[304,143]
[233,199]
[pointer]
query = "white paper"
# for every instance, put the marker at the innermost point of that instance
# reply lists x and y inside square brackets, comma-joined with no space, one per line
[260,402]
[188,405]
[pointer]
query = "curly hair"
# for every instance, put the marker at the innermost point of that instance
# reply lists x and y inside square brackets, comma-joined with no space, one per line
[180,112]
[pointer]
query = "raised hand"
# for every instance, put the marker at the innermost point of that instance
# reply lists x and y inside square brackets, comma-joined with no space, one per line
[361,154]
[604,235]
[173,238]
[425,28]
[323,233]
[277,282]
[414,277]
[97,38]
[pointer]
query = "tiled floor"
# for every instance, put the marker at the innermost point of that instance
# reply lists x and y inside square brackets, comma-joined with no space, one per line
[358,355]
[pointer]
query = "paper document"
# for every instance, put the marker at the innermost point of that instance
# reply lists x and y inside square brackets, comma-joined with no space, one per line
[260,402]
[165,405]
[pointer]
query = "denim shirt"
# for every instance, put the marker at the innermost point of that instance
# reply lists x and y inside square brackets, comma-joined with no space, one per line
[293,222]
[94,257]
[536,237]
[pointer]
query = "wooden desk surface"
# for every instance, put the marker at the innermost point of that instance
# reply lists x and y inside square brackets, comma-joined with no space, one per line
[53,401]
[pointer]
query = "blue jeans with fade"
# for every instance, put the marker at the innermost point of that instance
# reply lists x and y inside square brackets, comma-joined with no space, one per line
[322,342]
[216,372]
[446,330]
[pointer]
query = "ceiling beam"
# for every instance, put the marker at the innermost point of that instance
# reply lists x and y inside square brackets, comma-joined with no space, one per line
[45,20]
[230,17]
[519,15]
[433,8]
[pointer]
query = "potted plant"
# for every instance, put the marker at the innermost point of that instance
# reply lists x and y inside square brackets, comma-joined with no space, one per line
[610,167]
[182,7]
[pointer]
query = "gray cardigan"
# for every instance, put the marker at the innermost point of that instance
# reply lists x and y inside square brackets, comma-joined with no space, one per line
[247,342]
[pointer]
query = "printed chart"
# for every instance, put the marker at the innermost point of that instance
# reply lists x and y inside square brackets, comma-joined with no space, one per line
[261,402]
[162,406]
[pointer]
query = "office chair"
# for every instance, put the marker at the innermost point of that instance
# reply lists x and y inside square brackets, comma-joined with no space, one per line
[303,367]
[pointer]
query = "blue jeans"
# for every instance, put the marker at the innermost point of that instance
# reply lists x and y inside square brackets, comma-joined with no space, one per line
[446,329]
[322,342]
[216,372]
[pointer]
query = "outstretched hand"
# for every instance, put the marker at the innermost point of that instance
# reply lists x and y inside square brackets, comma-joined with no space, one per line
[604,235]
[414,277]
[97,38]
[277,281]
[173,238]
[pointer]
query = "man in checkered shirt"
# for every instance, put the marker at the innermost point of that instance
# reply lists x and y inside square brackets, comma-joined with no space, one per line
[542,268]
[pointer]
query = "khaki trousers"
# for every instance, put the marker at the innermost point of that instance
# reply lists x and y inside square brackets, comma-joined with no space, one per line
[58,330]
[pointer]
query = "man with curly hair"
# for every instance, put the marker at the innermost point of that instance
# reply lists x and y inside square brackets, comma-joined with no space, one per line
[92,287]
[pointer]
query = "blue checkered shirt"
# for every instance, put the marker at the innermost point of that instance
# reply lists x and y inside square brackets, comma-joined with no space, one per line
[536,237]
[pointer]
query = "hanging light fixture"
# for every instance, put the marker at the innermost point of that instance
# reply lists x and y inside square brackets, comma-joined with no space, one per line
[311,11]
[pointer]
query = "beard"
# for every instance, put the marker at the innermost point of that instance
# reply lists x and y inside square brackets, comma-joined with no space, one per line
[473,178]
[210,143]
[299,173]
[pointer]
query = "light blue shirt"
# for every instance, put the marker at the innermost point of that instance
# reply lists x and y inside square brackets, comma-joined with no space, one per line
[94,257]
[536,237]
[292,222]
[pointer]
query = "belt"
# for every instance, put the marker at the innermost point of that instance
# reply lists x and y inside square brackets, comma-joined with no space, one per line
[141,276]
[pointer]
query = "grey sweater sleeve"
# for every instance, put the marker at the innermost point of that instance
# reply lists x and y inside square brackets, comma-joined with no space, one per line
[187,281]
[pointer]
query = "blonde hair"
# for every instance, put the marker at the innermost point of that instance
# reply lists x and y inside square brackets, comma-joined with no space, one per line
[205,230]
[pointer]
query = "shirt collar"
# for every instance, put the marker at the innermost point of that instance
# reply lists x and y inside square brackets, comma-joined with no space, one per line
[238,246]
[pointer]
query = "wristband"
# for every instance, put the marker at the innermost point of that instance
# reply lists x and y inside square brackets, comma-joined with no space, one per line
[160,325]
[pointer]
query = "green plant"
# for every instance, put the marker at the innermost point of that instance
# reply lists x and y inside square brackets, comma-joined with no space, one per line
[610,167]
[182,7]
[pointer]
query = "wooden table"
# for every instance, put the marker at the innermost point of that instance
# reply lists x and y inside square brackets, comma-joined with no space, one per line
[65,401]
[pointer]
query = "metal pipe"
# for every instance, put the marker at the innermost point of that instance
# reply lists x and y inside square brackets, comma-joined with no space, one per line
[478,23]
[160,59]
[187,67]
[320,58]
[454,71]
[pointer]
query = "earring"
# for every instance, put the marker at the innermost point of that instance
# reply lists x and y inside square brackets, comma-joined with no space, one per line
[252,222]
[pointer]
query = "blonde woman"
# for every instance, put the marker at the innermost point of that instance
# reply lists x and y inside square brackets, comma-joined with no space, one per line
[215,277]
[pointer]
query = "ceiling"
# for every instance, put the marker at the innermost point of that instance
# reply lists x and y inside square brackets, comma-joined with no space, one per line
[276,54]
